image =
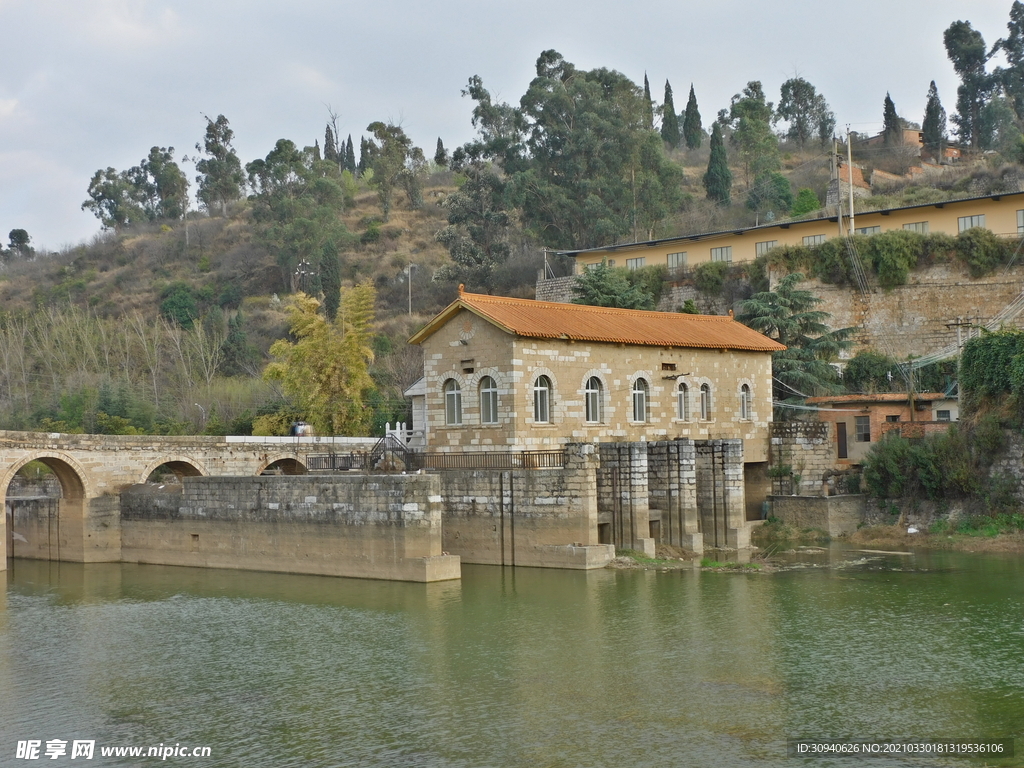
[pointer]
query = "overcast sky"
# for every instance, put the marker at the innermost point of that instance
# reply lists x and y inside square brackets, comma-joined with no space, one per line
[86,84]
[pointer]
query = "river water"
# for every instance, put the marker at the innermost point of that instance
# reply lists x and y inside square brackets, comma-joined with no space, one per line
[527,668]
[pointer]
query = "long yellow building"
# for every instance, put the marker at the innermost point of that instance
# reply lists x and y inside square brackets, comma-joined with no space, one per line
[1003,214]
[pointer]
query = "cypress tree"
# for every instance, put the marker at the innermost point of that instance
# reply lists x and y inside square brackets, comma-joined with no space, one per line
[440,154]
[693,131]
[330,279]
[316,151]
[892,131]
[669,120]
[330,146]
[718,179]
[364,155]
[350,157]
[648,106]
[934,125]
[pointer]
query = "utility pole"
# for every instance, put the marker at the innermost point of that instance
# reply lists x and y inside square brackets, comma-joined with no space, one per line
[849,171]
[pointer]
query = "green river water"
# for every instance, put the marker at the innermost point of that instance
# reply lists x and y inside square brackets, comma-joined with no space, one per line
[514,668]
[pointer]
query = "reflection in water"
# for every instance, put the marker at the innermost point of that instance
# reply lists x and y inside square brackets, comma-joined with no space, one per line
[513,668]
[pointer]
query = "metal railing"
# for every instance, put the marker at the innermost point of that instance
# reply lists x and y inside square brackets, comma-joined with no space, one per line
[387,458]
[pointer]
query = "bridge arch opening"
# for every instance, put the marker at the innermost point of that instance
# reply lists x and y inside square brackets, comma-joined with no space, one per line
[173,471]
[44,507]
[285,466]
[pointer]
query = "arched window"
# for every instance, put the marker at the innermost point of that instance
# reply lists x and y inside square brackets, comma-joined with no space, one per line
[745,402]
[488,401]
[640,400]
[705,402]
[542,400]
[452,402]
[593,395]
[683,402]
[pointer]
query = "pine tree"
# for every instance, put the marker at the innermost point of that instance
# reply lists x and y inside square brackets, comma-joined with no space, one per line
[350,157]
[648,106]
[693,131]
[718,179]
[330,146]
[440,154]
[933,127]
[669,119]
[892,131]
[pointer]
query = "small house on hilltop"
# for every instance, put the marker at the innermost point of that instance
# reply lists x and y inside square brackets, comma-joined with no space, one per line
[515,374]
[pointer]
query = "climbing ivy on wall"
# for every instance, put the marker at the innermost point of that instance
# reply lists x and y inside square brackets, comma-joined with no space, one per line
[992,368]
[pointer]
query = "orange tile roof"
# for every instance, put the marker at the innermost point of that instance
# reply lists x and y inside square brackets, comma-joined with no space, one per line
[551,320]
[881,397]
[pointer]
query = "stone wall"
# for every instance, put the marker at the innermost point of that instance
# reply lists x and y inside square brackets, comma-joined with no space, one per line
[721,498]
[836,515]
[807,447]
[363,526]
[672,493]
[540,517]
[916,318]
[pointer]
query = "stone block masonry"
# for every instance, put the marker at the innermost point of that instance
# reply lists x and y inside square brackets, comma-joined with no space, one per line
[542,517]
[362,526]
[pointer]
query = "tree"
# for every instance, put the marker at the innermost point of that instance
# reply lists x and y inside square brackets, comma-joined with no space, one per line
[350,157]
[933,127]
[330,279]
[966,49]
[772,193]
[892,127]
[114,200]
[161,186]
[440,154]
[220,172]
[326,369]
[718,179]
[1012,77]
[806,111]
[238,356]
[693,131]
[788,315]
[330,145]
[583,167]
[648,106]
[669,119]
[604,286]
[364,156]
[19,242]
[394,161]
[478,224]
[750,116]
[806,202]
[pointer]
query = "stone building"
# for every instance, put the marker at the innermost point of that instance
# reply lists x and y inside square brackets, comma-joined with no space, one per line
[514,374]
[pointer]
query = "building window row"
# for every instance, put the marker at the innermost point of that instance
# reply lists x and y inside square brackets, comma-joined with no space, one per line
[593,394]
[677,260]
[970,222]
[868,230]
[815,239]
[917,226]
[722,254]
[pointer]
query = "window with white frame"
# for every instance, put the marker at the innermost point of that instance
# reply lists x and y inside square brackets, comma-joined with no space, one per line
[868,230]
[705,402]
[591,267]
[542,400]
[1020,222]
[488,400]
[722,254]
[636,263]
[760,249]
[593,393]
[452,403]
[917,226]
[970,222]
[745,404]
[640,395]
[815,239]
[943,415]
[676,260]
[683,402]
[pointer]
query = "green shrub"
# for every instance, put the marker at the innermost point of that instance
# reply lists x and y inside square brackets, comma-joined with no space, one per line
[892,255]
[709,277]
[981,250]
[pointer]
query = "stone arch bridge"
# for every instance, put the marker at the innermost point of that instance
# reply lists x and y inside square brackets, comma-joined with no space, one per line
[94,469]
